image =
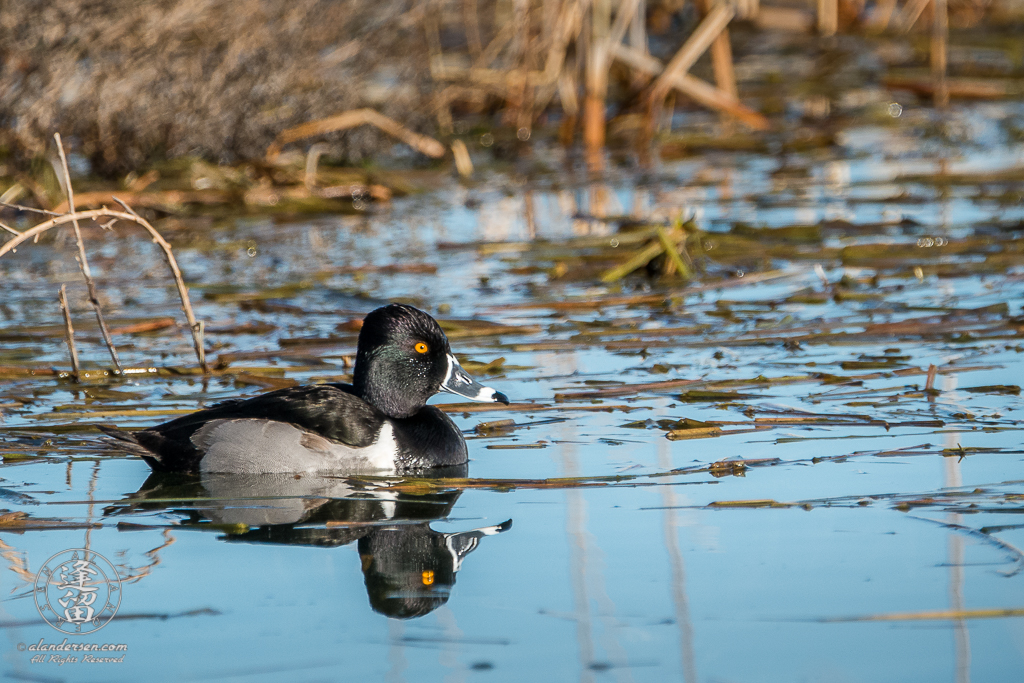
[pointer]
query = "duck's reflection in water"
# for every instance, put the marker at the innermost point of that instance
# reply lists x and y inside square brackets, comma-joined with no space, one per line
[409,568]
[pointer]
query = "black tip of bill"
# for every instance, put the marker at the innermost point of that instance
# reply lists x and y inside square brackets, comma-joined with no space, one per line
[500,398]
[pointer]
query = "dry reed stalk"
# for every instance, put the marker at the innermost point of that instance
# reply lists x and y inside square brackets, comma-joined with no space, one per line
[443,111]
[543,96]
[567,96]
[12,193]
[721,61]
[528,215]
[638,41]
[712,34]
[665,125]
[570,24]
[698,90]
[828,17]
[494,48]
[940,37]
[463,163]
[697,44]
[433,33]
[596,84]
[471,22]
[311,189]
[624,19]
[910,14]
[83,262]
[520,46]
[312,161]
[132,217]
[721,55]
[638,25]
[350,119]
[525,89]
[69,331]
[882,15]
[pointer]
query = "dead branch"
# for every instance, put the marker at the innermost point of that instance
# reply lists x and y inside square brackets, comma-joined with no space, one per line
[32,209]
[83,262]
[129,215]
[69,330]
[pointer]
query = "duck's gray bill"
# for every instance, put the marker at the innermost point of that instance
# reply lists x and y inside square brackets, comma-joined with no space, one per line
[458,382]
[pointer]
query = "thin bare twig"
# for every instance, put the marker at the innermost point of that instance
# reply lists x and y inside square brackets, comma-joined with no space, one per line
[83,262]
[69,330]
[9,229]
[19,207]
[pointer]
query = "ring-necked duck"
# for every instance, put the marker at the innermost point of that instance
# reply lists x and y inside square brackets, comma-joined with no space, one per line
[379,423]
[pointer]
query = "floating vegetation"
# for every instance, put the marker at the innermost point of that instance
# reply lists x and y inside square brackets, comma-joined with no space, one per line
[753,368]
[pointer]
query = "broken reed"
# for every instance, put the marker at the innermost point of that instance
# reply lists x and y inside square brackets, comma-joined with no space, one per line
[565,50]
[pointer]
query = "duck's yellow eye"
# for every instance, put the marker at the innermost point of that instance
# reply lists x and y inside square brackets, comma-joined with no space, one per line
[427,577]
[421,347]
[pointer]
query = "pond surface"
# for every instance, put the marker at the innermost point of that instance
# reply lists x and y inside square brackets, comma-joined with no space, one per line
[825,510]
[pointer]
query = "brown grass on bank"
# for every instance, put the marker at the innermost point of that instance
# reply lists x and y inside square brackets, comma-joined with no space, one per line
[132,81]
[214,78]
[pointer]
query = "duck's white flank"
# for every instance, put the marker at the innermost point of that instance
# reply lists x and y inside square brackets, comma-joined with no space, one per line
[255,446]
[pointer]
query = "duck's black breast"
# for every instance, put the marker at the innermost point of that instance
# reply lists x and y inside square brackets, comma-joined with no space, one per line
[428,439]
[329,410]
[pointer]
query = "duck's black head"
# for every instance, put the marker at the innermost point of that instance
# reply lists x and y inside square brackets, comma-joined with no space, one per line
[403,359]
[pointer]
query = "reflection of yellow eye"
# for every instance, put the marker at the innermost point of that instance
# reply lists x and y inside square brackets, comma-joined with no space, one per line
[421,347]
[428,577]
